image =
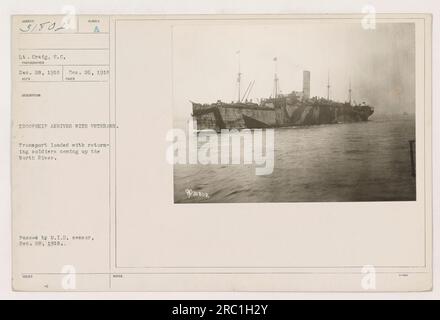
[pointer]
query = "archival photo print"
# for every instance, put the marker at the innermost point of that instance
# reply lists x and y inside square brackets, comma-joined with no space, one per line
[293,112]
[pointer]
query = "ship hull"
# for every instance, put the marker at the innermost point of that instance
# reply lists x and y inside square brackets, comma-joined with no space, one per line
[276,114]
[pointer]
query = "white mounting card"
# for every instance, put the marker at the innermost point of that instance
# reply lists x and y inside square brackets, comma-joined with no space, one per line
[222,152]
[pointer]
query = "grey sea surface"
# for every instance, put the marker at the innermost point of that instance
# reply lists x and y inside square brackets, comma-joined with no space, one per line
[362,161]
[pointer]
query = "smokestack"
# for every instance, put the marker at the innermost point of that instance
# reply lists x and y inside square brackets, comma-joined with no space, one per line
[306,84]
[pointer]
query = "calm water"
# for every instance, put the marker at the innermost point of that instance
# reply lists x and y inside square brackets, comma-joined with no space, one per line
[364,161]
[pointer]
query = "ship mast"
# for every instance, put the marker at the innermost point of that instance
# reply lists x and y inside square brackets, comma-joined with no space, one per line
[239,77]
[276,80]
[349,92]
[328,86]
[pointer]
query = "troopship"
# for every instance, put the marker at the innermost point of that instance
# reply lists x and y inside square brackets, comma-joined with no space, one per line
[279,110]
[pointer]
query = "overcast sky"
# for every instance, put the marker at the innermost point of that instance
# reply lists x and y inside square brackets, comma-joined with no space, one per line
[380,63]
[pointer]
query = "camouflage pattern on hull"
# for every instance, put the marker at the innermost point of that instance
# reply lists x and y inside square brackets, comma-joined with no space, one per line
[276,113]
